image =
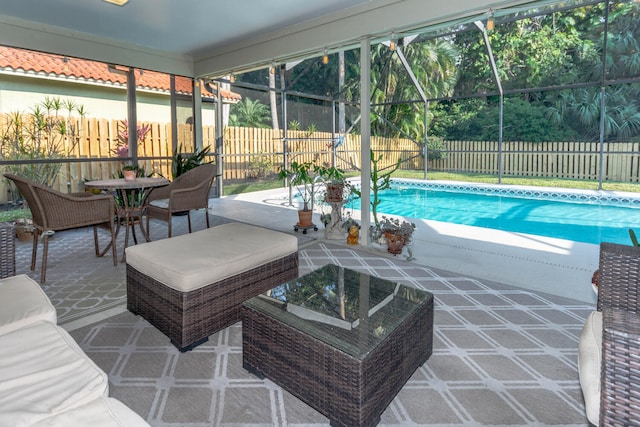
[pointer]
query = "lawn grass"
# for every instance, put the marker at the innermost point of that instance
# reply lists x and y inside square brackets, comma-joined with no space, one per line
[10,215]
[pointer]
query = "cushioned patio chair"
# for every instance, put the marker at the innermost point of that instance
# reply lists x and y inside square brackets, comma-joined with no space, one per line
[609,356]
[187,192]
[52,210]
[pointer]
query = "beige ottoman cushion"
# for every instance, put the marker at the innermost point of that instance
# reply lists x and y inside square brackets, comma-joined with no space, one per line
[194,260]
[103,412]
[589,365]
[44,372]
[22,301]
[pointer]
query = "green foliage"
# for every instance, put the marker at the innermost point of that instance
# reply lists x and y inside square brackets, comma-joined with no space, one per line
[379,181]
[436,148]
[293,125]
[523,121]
[260,166]
[304,176]
[183,162]
[47,132]
[250,113]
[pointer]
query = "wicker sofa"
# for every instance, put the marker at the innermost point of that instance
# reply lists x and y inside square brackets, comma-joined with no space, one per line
[45,377]
[610,342]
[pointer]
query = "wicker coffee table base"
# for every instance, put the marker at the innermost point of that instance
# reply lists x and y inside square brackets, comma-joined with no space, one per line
[349,391]
[188,318]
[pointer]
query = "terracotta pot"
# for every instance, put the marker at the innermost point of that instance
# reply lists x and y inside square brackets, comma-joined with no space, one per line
[395,243]
[304,218]
[335,192]
[129,175]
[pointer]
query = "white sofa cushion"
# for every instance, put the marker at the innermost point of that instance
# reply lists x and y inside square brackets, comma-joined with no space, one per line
[22,301]
[102,412]
[44,372]
[195,260]
[589,365]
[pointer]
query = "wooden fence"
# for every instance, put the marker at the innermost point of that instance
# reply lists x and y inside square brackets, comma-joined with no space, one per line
[251,153]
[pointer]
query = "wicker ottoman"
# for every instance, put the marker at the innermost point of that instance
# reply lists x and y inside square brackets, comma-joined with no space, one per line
[193,285]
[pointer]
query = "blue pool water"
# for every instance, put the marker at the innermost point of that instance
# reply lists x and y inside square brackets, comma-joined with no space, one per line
[581,217]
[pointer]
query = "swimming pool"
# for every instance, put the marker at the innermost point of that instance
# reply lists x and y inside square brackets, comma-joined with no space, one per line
[577,215]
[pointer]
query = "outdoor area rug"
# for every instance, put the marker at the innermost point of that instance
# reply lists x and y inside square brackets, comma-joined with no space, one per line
[502,357]
[78,283]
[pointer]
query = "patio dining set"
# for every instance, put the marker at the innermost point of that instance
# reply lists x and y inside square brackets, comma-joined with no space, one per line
[119,202]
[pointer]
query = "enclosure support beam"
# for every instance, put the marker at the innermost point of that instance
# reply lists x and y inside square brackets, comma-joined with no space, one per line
[173,102]
[219,140]
[196,112]
[425,148]
[603,94]
[132,115]
[333,133]
[494,69]
[365,130]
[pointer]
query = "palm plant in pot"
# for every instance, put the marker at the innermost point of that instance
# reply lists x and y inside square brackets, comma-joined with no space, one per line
[304,176]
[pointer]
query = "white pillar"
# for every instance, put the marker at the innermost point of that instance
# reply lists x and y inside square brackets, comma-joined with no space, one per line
[197,114]
[365,144]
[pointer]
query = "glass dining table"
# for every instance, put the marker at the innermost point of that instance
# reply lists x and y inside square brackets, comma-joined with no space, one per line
[130,197]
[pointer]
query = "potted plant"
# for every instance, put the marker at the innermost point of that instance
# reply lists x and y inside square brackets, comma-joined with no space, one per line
[335,183]
[129,172]
[183,162]
[396,232]
[304,176]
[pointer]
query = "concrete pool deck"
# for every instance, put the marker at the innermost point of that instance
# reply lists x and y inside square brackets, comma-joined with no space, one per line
[555,266]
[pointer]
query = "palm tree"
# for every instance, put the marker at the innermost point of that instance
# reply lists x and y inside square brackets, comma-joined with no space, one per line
[249,113]
[433,62]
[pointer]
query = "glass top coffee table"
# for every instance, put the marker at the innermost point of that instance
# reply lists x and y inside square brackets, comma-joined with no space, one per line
[343,342]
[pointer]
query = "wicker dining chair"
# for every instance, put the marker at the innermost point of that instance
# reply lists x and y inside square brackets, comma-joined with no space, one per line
[618,301]
[187,192]
[52,210]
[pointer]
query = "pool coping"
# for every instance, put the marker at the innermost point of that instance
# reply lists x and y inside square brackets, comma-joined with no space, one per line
[614,198]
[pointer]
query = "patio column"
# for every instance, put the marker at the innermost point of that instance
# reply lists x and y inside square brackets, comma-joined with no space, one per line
[365,143]
[219,152]
[197,114]
[132,115]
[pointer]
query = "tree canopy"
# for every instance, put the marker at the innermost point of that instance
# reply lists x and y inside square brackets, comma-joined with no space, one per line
[554,67]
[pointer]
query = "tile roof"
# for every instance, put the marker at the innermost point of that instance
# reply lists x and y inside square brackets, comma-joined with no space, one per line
[30,62]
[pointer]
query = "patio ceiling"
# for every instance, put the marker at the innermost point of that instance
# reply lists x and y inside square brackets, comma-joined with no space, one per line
[198,38]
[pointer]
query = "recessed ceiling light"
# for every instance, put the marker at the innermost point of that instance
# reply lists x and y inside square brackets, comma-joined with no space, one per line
[118,2]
